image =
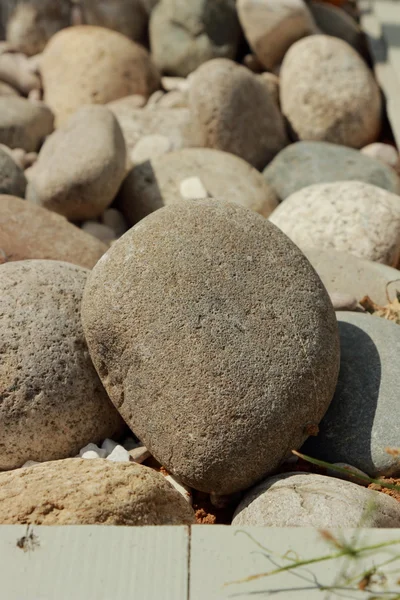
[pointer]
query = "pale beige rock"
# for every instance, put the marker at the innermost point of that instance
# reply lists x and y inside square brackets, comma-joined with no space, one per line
[174,83]
[34,22]
[384,153]
[52,401]
[81,166]
[192,188]
[329,94]
[154,99]
[125,494]
[93,65]
[150,147]
[16,71]
[310,500]
[272,26]
[189,319]
[28,231]
[350,216]
[174,99]
[8,90]
[234,111]
[24,124]
[271,81]
[157,183]
[342,301]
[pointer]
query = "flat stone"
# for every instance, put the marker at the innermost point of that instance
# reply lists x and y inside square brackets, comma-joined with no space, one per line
[52,401]
[309,500]
[189,319]
[346,274]
[321,162]
[351,216]
[328,93]
[363,418]
[29,231]
[157,183]
[125,494]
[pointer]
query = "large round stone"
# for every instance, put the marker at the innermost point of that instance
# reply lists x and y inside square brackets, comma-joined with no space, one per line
[215,339]
[30,231]
[309,500]
[351,216]
[81,165]
[329,94]
[234,111]
[321,162]
[363,420]
[93,65]
[52,402]
[158,182]
[90,492]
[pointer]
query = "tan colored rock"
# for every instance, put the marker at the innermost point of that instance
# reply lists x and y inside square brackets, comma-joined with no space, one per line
[15,70]
[189,320]
[93,65]
[272,26]
[28,231]
[34,22]
[233,111]
[8,90]
[350,216]
[24,124]
[329,94]
[81,166]
[104,493]
[174,99]
[173,123]
[157,183]
[126,16]
[52,401]
[271,81]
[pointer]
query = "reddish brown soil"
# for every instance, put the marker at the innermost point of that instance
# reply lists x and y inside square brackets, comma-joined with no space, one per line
[394,493]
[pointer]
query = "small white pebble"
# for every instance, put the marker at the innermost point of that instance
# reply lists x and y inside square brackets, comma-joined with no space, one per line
[89,454]
[192,189]
[180,487]
[119,454]
[139,454]
[92,448]
[109,445]
[30,463]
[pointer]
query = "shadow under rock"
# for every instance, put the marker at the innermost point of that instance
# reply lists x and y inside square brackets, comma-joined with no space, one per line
[346,430]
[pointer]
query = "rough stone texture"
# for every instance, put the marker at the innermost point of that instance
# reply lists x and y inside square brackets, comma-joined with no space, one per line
[32,23]
[81,166]
[184,35]
[346,274]
[363,418]
[321,162]
[29,231]
[190,323]
[104,493]
[24,124]
[309,500]
[12,178]
[174,124]
[52,402]
[384,153]
[126,16]
[333,20]
[93,65]
[329,94]
[234,111]
[350,216]
[272,26]
[156,183]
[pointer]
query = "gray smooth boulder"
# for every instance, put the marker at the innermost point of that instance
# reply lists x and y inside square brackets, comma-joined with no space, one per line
[190,323]
[328,93]
[364,418]
[156,183]
[350,216]
[12,178]
[186,33]
[310,500]
[335,21]
[52,402]
[321,162]
[344,273]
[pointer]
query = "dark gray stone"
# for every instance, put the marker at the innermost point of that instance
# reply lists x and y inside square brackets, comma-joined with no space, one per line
[12,178]
[364,417]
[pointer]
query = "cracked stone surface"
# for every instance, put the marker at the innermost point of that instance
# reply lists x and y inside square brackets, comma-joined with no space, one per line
[310,500]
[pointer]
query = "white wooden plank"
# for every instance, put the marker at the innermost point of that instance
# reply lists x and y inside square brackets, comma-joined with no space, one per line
[221,555]
[94,563]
